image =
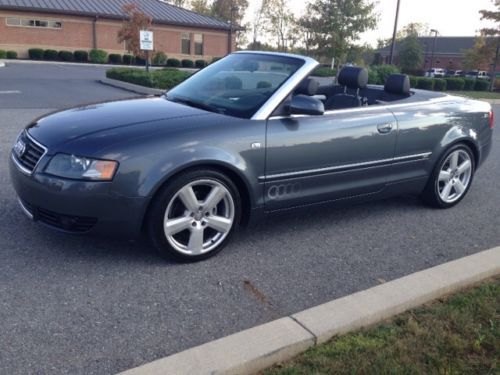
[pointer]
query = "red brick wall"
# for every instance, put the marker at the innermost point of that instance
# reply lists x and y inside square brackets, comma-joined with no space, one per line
[77,33]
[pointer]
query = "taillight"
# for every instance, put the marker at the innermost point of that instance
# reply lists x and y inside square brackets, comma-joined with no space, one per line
[492,120]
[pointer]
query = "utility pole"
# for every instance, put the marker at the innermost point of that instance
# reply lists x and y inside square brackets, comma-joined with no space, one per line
[393,44]
[433,46]
[494,67]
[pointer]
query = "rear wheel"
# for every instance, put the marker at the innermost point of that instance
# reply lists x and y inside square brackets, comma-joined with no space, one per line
[451,178]
[193,216]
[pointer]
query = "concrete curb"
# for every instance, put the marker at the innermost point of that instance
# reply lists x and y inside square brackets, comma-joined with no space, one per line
[257,348]
[491,101]
[131,87]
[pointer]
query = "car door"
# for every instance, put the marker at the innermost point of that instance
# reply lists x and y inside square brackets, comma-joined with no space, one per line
[340,154]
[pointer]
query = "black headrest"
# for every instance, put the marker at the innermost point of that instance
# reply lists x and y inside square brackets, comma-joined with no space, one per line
[308,86]
[353,77]
[397,84]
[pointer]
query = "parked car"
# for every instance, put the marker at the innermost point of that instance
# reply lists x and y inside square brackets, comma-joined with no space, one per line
[237,141]
[454,73]
[477,74]
[435,73]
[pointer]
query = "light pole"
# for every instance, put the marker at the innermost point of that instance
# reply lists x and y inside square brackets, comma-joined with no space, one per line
[433,46]
[234,9]
[393,44]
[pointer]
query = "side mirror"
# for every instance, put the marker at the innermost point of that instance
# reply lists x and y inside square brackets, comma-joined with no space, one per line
[306,105]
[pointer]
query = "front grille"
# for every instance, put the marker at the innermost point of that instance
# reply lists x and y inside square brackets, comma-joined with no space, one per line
[69,223]
[32,153]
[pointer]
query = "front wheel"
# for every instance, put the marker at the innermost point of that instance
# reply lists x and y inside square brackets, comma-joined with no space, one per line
[193,216]
[451,178]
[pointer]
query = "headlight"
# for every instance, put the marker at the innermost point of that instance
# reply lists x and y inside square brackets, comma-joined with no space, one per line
[78,167]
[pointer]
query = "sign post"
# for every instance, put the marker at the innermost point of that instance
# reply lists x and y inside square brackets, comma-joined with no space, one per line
[146,41]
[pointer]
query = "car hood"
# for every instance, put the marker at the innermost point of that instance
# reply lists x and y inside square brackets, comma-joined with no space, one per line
[68,125]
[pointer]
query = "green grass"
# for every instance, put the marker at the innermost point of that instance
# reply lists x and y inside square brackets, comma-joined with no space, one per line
[456,335]
[477,94]
[160,79]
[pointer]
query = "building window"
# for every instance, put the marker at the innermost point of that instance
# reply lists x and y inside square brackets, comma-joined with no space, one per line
[186,44]
[25,22]
[198,44]
[13,22]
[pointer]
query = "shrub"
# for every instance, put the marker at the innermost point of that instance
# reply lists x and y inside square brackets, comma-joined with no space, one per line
[413,81]
[159,58]
[214,59]
[50,54]
[469,84]
[439,84]
[173,63]
[115,58]
[65,55]
[379,73]
[81,56]
[425,83]
[98,56]
[200,64]
[3,54]
[35,53]
[164,79]
[11,54]
[455,84]
[128,59]
[138,60]
[187,63]
[482,85]
[323,71]
[132,75]
[168,78]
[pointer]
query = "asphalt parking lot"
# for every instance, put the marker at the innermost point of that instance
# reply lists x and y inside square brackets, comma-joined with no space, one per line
[83,305]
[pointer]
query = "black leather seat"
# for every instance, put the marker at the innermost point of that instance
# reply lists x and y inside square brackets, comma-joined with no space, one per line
[352,79]
[397,86]
[308,86]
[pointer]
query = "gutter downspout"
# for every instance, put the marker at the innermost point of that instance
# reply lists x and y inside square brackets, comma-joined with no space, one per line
[94,32]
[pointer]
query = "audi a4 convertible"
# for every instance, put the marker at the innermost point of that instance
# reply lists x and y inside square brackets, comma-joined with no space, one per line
[252,134]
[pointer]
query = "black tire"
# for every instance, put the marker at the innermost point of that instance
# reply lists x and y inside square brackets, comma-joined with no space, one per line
[158,208]
[431,194]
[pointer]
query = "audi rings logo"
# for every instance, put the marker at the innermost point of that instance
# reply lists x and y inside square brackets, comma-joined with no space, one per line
[283,191]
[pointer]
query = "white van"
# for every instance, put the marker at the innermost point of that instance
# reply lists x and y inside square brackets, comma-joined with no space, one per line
[435,72]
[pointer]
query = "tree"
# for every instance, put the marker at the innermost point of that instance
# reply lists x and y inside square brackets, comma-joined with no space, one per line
[258,20]
[280,23]
[179,3]
[494,32]
[129,32]
[201,6]
[410,53]
[413,28]
[480,56]
[229,10]
[339,23]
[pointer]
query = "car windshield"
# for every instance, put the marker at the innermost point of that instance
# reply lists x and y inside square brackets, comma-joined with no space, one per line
[237,85]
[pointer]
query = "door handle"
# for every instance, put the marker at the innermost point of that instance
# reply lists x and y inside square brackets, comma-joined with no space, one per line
[384,128]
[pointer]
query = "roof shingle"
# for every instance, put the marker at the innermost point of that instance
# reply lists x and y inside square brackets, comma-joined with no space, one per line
[161,12]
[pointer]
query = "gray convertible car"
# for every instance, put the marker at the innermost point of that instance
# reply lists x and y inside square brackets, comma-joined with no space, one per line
[251,134]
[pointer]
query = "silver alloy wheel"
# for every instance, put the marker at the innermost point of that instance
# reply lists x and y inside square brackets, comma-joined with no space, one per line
[454,176]
[199,217]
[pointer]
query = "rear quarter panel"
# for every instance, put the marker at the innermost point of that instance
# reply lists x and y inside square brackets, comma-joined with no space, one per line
[433,126]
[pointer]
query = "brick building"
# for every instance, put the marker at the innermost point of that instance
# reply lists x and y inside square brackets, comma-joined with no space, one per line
[86,24]
[448,52]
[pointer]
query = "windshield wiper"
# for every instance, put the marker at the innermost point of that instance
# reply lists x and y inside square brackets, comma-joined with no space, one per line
[193,103]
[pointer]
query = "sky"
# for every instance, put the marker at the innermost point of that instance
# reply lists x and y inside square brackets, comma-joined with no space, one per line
[449,17]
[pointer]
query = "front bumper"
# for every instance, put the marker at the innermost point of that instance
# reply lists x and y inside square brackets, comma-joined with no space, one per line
[77,206]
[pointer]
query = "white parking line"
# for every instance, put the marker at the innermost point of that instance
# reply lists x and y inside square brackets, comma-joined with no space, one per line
[10,92]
